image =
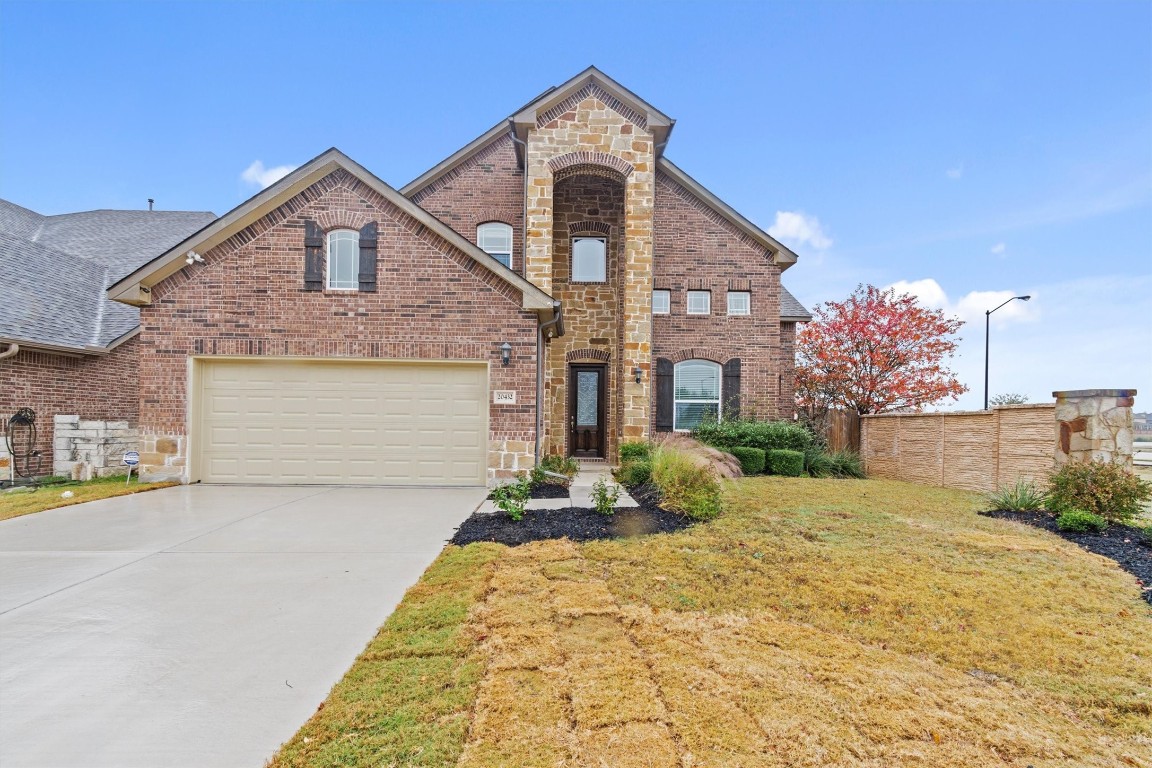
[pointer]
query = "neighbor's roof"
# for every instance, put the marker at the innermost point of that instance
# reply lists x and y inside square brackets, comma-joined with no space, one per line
[791,310]
[135,287]
[54,271]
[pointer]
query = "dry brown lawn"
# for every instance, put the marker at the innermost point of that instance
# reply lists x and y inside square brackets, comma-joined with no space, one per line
[24,502]
[818,623]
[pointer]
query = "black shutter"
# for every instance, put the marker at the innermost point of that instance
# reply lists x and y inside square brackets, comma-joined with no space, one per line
[368,237]
[732,388]
[313,256]
[665,394]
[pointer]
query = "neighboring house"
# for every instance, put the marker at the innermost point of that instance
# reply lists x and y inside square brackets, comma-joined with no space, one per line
[65,347]
[557,286]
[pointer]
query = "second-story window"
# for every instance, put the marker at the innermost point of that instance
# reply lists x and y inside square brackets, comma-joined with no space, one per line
[495,239]
[343,259]
[699,302]
[661,299]
[739,303]
[589,260]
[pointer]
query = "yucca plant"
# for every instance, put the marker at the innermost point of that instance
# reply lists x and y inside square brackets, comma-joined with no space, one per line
[1023,496]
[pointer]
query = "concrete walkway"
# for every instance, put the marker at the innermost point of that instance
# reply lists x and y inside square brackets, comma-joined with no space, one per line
[580,491]
[198,626]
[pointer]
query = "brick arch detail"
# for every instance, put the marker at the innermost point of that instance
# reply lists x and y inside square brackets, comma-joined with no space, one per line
[501,215]
[585,161]
[578,227]
[588,354]
[343,219]
[696,353]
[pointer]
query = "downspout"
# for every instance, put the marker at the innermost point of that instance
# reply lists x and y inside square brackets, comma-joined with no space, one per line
[556,326]
[13,348]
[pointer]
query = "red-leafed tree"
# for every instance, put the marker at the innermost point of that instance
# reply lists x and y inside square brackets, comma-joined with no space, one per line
[876,352]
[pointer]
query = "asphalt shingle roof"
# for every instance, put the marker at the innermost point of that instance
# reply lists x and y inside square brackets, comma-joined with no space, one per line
[790,307]
[54,270]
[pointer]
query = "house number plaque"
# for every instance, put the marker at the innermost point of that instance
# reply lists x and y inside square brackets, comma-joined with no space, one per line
[504,397]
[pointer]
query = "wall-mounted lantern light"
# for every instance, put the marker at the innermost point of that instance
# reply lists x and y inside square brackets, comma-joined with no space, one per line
[639,374]
[505,353]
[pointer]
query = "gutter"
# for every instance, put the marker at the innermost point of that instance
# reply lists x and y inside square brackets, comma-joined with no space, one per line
[13,348]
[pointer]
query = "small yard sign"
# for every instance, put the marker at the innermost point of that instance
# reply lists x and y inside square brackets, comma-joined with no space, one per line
[132,458]
[504,397]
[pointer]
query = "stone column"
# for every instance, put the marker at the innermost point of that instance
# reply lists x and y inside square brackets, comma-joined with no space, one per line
[636,301]
[1094,424]
[538,243]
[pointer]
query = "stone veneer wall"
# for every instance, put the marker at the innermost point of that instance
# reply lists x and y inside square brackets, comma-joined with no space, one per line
[591,132]
[87,448]
[1094,425]
[976,451]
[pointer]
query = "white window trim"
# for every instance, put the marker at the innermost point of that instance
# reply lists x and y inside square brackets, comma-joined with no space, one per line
[667,301]
[676,400]
[511,241]
[572,258]
[707,295]
[747,307]
[328,261]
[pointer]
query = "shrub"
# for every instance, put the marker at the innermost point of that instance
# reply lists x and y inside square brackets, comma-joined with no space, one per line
[1079,521]
[635,472]
[634,450]
[561,465]
[785,462]
[1024,496]
[605,496]
[1102,488]
[847,463]
[751,459]
[512,498]
[817,462]
[685,486]
[765,435]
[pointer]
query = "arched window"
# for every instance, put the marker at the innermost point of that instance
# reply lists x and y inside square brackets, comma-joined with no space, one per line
[343,259]
[495,239]
[589,259]
[697,387]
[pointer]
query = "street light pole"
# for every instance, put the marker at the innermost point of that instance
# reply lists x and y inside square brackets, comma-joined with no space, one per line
[987,322]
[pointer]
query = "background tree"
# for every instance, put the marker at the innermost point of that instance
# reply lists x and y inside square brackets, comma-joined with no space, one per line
[876,352]
[1008,398]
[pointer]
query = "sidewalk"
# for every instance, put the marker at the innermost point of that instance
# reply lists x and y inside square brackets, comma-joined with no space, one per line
[580,492]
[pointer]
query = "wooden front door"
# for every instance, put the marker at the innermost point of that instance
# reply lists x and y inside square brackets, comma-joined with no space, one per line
[586,409]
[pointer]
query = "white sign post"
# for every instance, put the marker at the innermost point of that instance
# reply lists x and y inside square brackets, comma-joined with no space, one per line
[132,459]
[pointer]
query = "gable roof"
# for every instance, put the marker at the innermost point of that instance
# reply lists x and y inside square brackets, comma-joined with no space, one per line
[135,287]
[54,271]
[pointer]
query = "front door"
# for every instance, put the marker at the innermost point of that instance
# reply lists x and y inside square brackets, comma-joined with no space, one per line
[586,385]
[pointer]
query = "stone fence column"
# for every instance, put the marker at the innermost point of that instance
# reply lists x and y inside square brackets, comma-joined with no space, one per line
[1094,424]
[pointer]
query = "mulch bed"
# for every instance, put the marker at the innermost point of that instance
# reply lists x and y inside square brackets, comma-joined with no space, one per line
[1128,546]
[547,491]
[575,523]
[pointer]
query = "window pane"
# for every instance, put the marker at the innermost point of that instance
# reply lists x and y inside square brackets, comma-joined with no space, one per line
[660,302]
[587,398]
[503,258]
[739,303]
[588,260]
[689,415]
[495,236]
[343,259]
[699,302]
[697,380]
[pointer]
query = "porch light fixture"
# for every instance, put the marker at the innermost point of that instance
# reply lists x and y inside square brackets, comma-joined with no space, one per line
[639,374]
[987,317]
[505,353]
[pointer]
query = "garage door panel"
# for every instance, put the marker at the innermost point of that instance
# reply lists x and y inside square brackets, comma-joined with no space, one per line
[342,422]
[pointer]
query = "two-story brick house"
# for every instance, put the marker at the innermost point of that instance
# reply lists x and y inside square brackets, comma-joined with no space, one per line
[556,286]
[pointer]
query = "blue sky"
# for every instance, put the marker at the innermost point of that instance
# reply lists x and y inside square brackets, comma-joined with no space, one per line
[964,151]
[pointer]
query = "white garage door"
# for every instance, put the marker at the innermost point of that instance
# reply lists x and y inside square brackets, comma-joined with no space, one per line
[322,422]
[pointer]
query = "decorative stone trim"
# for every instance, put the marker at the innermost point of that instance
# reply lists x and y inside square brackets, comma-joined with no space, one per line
[342,219]
[1094,425]
[594,91]
[696,353]
[582,227]
[602,355]
[84,449]
[585,161]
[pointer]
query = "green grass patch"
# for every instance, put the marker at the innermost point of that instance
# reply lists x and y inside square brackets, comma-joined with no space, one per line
[21,501]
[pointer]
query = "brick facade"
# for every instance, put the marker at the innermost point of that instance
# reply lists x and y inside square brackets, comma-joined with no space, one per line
[247,299]
[93,387]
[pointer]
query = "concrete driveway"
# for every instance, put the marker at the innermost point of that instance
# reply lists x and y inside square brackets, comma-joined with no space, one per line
[198,626]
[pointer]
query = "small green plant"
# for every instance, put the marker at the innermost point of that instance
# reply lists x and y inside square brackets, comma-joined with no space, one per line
[604,496]
[1079,521]
[847,463]
[560,465]
[635,472]
[1103,488]
[1024,496]
[685,486]
[635,450]
[786,463]
[512,498]
[751,459]
[817,462]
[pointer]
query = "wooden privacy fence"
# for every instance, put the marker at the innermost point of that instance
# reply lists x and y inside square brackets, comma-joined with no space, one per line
[842,430]
[975,450]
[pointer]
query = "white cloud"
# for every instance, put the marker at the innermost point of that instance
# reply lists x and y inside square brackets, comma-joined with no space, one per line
[955,173]
[259,176]
[798,228]
[999,249]
[972,306]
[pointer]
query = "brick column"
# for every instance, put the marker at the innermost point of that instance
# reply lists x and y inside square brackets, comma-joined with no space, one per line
[1094,424]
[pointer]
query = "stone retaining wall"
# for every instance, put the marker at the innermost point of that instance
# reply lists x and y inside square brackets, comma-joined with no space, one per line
[84,449]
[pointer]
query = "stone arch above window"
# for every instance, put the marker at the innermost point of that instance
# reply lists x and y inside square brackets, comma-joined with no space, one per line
[343,219]
[590,163]
[602,355]
[698,353]
[589,227]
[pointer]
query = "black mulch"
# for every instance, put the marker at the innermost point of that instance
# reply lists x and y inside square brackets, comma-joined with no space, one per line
[575,523]
[547,491]
[1129,547]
